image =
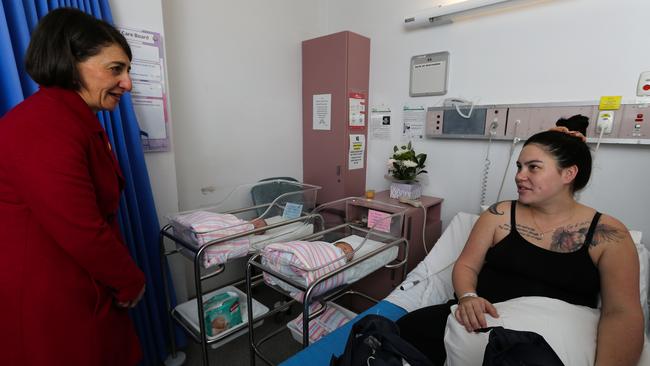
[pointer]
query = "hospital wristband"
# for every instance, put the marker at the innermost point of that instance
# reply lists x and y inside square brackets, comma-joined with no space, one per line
[467,294]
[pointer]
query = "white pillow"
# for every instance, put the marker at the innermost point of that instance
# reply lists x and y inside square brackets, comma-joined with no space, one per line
[570,330]
[433,274]
[644,261]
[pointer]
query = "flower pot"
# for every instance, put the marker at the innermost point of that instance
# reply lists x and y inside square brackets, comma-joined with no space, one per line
[412,190]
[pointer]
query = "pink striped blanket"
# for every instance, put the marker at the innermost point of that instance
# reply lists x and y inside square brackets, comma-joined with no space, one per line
[325,323]
[299,260]
[203,227]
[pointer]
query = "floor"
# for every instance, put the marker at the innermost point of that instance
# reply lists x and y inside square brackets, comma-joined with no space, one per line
[237,353]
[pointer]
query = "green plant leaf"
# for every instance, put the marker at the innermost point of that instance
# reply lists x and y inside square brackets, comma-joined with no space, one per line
[421,159]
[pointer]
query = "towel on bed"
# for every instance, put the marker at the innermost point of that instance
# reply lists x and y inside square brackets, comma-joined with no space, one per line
[202,227]
[296,259]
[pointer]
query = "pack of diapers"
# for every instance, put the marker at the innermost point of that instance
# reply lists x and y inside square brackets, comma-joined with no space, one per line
[222,311]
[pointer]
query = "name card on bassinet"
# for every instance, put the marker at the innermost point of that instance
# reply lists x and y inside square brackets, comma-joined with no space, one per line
[291,210]
[379,221]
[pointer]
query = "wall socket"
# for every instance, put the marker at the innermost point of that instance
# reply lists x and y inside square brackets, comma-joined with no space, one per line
[605,122]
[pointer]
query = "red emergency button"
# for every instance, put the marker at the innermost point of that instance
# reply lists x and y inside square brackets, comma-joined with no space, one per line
[646,87]
[640,115]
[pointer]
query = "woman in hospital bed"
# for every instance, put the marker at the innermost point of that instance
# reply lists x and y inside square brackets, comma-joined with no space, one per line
[544,244]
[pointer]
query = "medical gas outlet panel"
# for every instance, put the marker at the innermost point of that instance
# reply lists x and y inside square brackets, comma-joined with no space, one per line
[627,125]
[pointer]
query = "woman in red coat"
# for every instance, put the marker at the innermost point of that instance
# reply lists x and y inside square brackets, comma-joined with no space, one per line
[66,278]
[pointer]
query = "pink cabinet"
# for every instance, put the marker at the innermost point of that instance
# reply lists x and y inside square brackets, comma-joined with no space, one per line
[335,66]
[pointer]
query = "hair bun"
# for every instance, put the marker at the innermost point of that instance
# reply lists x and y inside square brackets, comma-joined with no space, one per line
[577,123]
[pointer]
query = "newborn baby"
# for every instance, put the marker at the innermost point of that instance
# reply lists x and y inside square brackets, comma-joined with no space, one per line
[347,249]
[219,324]
[259,223]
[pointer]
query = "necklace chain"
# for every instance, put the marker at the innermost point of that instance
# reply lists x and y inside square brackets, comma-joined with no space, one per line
[542,232]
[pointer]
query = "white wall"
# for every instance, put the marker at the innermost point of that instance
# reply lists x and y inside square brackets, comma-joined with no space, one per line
[147,15]
[234,69]
[514,55]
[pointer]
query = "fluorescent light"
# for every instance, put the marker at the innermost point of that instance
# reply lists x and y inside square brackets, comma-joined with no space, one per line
[442,14]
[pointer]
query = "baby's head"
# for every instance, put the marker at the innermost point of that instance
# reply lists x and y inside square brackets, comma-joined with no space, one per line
[219,324]
[259,223]
[347,249]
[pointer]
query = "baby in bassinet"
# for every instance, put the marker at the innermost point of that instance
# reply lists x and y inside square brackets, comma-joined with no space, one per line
[259,223]
[202,227]
[347,249]
[306,262]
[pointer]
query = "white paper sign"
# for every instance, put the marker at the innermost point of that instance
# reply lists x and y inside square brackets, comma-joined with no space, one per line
[380,124]
[357,112]
[148,94]
[148,112]
[357,150]
[292,210]
[322,111]
[414,121]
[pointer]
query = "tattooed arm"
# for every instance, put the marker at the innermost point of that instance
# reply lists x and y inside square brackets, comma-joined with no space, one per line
[620,330]
[471,310]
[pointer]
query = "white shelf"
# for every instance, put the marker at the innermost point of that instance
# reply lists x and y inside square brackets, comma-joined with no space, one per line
[188,311]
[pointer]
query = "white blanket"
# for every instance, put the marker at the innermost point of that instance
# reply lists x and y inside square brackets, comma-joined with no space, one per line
[569,329]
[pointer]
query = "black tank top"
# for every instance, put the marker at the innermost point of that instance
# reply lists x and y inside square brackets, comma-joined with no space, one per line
[515,267]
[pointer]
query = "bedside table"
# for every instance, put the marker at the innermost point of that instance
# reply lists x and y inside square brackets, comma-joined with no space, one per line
[382,282]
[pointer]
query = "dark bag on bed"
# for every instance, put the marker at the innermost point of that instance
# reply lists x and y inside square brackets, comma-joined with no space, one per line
[507,347]
[375,341]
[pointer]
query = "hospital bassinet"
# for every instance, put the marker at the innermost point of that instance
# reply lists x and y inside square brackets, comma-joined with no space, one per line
[376,242]
[210,237]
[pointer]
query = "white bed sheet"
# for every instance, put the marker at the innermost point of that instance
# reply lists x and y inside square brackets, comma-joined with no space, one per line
[370,265]
[434,272]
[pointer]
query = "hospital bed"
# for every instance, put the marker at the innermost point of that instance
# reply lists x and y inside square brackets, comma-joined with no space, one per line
[211,237]
[430,283]
[311,275]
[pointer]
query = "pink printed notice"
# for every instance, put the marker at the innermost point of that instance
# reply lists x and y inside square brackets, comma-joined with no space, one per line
[379,220]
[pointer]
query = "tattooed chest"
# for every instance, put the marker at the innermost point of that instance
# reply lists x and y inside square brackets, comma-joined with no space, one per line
[567,238]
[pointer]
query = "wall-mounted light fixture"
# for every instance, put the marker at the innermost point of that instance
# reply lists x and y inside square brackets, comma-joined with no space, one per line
[443,14]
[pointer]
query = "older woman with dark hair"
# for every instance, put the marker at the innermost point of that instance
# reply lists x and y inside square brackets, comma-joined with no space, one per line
[66,279]
[544,244]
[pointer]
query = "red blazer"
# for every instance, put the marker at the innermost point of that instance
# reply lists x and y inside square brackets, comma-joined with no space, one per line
[63,263]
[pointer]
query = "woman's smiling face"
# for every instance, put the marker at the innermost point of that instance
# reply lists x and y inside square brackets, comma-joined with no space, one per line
[538,175]
[105,78]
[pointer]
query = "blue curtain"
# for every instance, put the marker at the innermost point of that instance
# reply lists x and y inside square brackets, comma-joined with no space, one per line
[137,215]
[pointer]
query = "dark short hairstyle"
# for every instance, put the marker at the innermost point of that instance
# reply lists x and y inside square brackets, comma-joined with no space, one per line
[62,39]
[567,150]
